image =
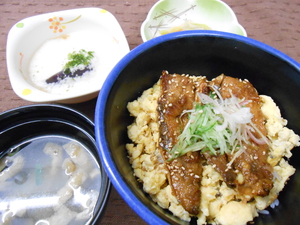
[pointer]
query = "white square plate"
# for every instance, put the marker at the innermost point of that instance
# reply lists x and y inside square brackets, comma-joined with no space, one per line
[97,27]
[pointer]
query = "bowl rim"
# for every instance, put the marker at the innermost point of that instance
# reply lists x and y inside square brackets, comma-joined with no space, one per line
[115,177]
[14,113]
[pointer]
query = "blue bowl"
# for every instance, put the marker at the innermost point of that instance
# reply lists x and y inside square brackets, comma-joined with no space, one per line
[206,53]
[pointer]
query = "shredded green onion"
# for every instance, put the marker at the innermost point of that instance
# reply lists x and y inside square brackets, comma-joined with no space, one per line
[215,125]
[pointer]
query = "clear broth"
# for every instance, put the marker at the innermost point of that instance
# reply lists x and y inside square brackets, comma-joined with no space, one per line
[48,180]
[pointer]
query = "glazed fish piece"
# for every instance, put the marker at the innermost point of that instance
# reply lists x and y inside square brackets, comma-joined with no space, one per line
[252,163]
[178,93]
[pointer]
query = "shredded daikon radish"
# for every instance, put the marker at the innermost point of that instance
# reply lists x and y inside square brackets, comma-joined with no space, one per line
[217,125]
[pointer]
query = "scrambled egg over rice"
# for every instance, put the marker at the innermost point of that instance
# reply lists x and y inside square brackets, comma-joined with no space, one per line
[218,202]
